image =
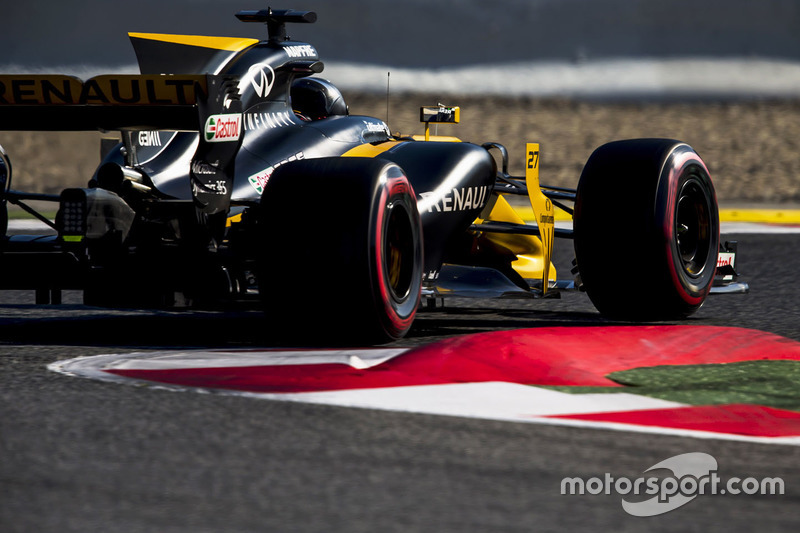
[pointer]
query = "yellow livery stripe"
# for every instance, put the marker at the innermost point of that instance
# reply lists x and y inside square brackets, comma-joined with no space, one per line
[231,44]
[370,150]
[437,138]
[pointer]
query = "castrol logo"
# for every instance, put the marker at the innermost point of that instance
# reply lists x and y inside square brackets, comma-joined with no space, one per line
[223,128]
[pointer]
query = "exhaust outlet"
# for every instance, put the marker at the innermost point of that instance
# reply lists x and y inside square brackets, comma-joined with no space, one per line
[116,178]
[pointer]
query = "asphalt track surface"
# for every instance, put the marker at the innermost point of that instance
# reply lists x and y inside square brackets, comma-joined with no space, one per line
[81,455]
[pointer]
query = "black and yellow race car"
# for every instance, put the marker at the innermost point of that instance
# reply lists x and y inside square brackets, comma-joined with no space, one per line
[241,176]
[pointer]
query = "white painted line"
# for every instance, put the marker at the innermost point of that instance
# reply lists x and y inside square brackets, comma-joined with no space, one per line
[753,227]
[22,225]
[356,358]
[491,400]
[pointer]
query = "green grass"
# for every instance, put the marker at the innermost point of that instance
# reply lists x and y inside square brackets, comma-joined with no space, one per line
[770,383]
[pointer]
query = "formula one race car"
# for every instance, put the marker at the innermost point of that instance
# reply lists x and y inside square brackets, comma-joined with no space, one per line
[241,177]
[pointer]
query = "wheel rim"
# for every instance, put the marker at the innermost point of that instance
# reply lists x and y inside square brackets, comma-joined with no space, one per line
[399,252]
[693,228]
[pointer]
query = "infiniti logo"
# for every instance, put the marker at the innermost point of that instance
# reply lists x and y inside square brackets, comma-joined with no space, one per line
[261,77]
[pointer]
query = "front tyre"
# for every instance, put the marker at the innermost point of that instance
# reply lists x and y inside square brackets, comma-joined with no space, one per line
[646,230]
[340,250]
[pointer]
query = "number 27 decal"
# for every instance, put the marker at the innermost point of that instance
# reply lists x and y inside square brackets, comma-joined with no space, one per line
[533,159]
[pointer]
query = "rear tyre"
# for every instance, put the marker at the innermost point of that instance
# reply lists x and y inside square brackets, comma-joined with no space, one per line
[646,230]
[340,251]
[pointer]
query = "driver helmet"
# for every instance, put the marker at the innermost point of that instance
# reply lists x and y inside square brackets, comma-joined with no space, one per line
[316,98]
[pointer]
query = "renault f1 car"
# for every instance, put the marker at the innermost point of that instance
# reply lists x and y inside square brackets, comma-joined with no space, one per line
[241,176]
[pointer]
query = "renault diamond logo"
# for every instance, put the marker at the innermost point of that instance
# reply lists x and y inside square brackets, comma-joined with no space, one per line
[261,77]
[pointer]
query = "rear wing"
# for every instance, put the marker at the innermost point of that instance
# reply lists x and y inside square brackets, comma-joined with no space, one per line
[108,102]
[206,103]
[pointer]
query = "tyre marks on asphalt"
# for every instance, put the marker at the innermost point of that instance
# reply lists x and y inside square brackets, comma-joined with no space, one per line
[554,375]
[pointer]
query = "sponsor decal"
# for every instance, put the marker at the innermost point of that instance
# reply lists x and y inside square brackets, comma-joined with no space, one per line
[725,259]
[215,187]
[101,90]
[149,138]
[545,218]
[267,121]
[375,131]
[260,76]
[304,50]
[376,127]
[218,187]
[201,168]
[259,180]
[457,199]
[223,128]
